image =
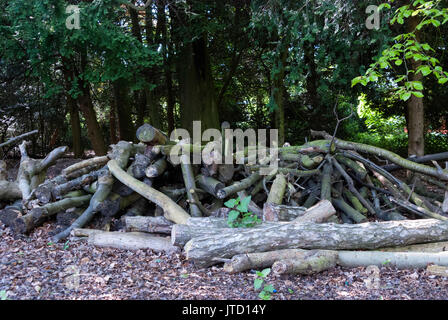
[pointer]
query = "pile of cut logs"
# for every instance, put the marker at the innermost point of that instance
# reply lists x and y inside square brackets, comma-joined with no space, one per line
[330,202]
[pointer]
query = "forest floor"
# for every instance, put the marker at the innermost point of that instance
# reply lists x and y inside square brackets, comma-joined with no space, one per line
[31,267]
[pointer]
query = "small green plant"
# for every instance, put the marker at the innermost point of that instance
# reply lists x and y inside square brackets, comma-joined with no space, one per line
[239,216]
[260,281]
[67,245]
[3,295]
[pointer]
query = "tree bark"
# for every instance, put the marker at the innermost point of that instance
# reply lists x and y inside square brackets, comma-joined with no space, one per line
[225,244]
[148,224]
[131,241]
[416,112]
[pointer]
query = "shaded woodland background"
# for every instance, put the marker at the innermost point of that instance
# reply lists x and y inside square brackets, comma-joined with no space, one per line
[258,64]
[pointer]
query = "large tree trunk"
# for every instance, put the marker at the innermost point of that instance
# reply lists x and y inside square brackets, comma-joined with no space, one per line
[125,125]
[278,92]
[167,63]
[227,243]
[416,114]
[197,91]
[93,128]
[75,125]
[86,106]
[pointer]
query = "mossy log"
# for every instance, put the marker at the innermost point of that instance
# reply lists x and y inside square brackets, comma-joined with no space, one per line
[190,184]
[209,184]
[38,215]
[150,135]
[171,209]
[372,235]
[238,186]
[278,189]
[386,154]
[261,260]
[352,213]
[325,190]
[312,262]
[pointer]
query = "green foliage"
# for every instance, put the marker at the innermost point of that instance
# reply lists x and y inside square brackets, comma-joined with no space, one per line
[239,216]
[260,281]
[3,295]
[407,47]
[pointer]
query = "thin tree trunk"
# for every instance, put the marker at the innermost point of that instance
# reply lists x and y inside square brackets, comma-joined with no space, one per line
[416,113]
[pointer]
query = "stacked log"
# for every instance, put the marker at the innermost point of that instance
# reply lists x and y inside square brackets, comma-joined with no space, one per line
[327,203]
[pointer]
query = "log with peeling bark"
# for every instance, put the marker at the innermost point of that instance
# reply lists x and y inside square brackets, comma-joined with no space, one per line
[131,241]
[372,235]
[156,169]
[311,262]
[38,215]
[139,166]
[275,212]
[105,183]
[148,224]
